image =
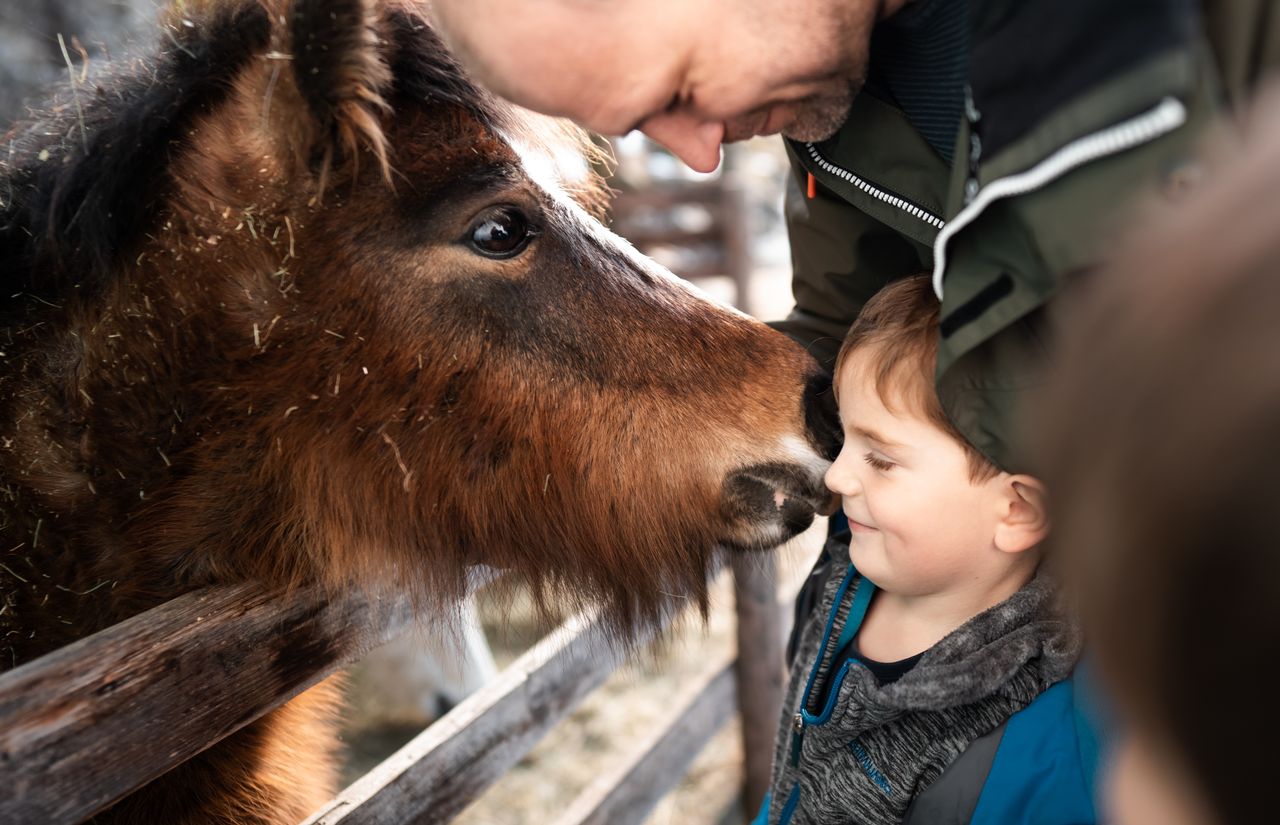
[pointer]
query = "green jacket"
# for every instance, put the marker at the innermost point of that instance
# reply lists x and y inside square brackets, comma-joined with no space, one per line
[1072,109]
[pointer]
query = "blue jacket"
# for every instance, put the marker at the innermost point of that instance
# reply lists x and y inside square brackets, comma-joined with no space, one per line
[990,728]
[1039,768]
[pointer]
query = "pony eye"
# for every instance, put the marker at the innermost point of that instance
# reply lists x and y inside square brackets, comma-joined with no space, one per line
[501,232]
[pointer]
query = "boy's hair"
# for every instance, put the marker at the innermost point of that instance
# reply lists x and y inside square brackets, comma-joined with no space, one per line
[897,330]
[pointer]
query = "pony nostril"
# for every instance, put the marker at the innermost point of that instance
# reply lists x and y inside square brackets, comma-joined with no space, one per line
[776,500]
[821,418]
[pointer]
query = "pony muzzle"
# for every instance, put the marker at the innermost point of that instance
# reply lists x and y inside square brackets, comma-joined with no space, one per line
[767,504]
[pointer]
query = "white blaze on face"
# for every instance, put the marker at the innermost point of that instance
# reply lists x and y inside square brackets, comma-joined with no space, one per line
[800,452]
[551,155]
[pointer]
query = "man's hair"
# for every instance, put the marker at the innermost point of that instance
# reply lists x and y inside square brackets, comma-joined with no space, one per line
[897,331]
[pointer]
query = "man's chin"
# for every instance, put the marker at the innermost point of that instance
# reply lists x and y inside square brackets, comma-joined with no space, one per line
[806,135]
[820,118]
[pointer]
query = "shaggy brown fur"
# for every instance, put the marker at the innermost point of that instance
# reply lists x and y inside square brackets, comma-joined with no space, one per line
[249,337]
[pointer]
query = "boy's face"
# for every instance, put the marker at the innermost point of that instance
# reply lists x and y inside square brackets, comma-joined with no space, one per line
[920,526]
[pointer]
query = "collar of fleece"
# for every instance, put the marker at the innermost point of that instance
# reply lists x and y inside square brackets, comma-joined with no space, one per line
[1019,647]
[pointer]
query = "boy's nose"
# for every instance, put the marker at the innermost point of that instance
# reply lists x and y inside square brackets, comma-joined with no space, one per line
[694,141]
[841,478]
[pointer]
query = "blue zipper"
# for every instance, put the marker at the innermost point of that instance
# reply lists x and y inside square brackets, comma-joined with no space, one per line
[857,611]
[789,809]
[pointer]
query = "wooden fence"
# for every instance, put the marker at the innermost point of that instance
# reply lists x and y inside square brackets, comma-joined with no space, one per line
[85,725]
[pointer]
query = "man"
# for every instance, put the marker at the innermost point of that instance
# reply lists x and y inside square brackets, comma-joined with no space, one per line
[994,143]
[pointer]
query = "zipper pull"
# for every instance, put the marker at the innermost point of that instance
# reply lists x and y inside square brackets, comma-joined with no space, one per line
[797,725]
[812,189]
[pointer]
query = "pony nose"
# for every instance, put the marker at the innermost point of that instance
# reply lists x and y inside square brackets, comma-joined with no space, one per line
[777,500]
[821,418]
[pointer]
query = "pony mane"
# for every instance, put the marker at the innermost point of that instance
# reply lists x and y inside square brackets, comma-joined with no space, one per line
[80,185]
[424,70]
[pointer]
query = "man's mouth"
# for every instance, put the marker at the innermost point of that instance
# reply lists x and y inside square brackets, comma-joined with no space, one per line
[768,122]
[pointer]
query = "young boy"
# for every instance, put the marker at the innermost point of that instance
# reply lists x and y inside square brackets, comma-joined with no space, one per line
[929,684]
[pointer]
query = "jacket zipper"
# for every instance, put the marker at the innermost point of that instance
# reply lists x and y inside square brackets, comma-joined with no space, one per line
[875,191]
[860,601]
[1168,115]
[797,736]
[789,809]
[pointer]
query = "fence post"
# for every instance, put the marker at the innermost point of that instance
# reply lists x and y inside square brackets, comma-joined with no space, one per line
[760,670]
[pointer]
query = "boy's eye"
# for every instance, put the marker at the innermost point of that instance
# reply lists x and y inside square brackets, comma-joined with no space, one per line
[878,462]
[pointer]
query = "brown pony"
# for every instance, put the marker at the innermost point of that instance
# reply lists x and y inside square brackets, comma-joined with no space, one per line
[296,302]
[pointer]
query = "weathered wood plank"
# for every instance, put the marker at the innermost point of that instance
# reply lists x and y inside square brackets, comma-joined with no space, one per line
[662,197]
[87,724]
[760,669]
[627,793]
[443,769]
[735,220]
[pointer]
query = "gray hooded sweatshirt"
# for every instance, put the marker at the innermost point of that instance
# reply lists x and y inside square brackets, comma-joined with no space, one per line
[870,749]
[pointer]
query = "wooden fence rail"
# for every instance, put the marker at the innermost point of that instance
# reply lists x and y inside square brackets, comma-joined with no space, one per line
[87,724]
[439,772]
[626,794]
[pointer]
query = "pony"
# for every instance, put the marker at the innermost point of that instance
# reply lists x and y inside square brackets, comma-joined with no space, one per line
[294,301]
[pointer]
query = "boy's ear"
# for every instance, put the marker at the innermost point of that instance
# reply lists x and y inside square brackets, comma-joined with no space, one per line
[1024,514]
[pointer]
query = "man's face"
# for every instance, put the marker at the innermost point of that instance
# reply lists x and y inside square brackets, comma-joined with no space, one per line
[690,74]
[921,526]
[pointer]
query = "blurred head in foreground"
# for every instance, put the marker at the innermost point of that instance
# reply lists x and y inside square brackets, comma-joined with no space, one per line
[1161,449]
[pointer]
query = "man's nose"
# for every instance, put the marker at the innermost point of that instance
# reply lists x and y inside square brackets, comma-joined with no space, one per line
[694,141]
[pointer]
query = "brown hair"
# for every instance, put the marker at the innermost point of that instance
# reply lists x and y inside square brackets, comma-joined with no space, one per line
[1160,440]
[898,331]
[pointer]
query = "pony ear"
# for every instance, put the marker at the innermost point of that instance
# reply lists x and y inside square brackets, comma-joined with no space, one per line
[340,71]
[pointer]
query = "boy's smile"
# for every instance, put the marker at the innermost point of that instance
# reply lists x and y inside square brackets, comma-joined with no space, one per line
[921,525]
